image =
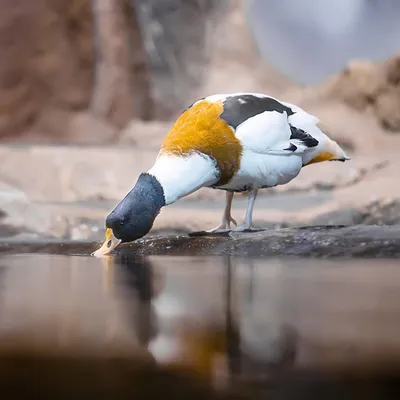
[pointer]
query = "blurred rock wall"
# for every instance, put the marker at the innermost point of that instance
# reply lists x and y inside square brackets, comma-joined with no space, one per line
[54,65]
[99,71]
[178,37]
[46,63]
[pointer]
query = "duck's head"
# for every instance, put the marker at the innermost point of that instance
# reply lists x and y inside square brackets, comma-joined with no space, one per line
[134,216]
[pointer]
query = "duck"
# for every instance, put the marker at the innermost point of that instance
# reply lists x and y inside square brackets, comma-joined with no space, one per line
[235,142]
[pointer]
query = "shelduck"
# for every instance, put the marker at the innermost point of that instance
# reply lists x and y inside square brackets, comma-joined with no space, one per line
[233,142]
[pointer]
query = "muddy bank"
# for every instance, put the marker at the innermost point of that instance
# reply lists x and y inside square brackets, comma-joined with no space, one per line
[315,241]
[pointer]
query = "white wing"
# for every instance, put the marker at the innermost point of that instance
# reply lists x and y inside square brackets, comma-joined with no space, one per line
[271,133]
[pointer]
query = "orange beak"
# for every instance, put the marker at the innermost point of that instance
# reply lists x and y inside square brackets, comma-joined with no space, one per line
[109,244]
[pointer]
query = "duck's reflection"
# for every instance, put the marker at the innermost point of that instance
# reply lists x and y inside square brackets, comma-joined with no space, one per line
[232,328]
[164,321]
[137,284]
[165,316]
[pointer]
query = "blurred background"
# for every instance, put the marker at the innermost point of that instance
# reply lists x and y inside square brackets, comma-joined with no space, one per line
[88,90]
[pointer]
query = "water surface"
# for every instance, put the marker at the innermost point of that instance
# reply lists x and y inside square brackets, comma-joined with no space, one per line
[265,311]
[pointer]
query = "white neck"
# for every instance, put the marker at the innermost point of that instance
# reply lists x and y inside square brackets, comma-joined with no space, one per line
[182,175]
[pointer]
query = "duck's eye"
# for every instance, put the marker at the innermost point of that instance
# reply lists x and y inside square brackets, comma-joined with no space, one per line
[109,243]
[121,222]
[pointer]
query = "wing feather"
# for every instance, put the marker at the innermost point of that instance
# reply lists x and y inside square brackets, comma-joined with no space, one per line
[268,126]
[271,133]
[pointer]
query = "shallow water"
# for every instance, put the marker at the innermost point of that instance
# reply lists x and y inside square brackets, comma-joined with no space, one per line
[286,326]
[267,311]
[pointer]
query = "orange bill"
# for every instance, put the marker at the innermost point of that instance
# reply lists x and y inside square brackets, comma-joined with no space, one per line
[109,244]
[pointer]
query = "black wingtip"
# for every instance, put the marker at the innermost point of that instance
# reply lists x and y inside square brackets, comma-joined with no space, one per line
[303,136]
[292,147]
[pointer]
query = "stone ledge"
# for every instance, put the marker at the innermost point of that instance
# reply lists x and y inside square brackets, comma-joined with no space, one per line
[369,241]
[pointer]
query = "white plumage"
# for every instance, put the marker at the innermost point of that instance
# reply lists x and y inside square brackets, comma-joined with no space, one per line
[180,176]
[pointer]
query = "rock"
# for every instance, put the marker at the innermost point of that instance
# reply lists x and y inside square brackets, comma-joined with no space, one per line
[60,126]
[371,88]
[359,84]
[41,87]
[86,229]
[36,36]
[387,108]
[19,216]
[392,70]
[144,134]
[312,241]
[332,176]
[85,128]
[353,126]
[74,173]
[193,50]
[236,64]
[177,35]
[323,241]
[380,212]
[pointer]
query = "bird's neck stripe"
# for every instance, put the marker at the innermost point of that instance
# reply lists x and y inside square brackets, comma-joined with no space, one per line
[182,175]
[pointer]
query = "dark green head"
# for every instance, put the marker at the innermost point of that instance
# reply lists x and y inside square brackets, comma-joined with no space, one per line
[134,216]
